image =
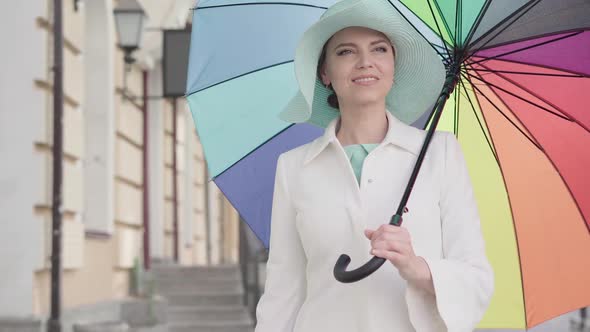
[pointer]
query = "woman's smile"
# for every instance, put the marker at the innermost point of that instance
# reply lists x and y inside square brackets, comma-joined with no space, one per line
[365,80]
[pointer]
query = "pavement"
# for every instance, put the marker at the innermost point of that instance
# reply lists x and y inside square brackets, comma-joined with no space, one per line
[559,324]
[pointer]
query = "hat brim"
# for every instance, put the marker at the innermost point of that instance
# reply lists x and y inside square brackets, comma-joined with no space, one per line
[419,71]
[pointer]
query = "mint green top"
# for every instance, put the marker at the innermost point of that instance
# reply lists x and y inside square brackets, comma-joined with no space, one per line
[356,154]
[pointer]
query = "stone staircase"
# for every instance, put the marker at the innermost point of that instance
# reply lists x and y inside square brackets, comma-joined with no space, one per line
[203,299]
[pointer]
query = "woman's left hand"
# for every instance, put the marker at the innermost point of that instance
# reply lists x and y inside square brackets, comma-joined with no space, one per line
[395,244]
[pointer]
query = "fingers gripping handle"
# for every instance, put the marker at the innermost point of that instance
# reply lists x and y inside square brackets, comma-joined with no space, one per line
[364,271]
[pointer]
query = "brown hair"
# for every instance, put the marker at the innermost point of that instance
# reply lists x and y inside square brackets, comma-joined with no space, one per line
[333,99]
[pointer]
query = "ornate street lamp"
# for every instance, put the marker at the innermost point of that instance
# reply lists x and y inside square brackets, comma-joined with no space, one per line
[129,20]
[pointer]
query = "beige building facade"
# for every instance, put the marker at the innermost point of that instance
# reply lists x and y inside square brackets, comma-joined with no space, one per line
[104,232]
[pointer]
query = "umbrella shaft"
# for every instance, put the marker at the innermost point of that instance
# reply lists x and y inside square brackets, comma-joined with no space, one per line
[450,83]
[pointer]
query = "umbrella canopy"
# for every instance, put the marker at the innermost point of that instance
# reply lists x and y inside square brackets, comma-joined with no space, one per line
[520,111]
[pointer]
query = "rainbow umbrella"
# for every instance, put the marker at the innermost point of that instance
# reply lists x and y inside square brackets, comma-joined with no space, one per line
[519,107]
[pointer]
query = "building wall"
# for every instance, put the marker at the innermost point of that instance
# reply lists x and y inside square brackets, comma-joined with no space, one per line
[198,203]
[129,177]
[188,222]
[94,282]
[103,174]
[215,231]
[232,233]
[99,116]
[24,62]
[169,145]
[73,146]
[156,169]
[102,259]
[194,233]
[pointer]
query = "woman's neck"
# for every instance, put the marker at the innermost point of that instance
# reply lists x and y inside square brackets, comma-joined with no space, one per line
[362,125]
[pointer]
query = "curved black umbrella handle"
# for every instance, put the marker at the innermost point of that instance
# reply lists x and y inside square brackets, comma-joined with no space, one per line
[355,275]
[364,271]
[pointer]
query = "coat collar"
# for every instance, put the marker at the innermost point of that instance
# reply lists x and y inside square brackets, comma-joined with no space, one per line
[398,134]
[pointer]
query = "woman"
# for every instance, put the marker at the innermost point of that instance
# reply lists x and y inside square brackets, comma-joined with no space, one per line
[365,74]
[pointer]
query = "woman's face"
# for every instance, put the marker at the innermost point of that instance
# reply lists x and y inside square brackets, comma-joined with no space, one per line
[359,64]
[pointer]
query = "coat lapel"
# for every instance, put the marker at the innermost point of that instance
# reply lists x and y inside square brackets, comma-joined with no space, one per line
[399,135]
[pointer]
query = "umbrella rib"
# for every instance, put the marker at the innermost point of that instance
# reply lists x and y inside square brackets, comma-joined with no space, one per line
[552,164]
[521,98]
[259,3]
[436,47]
[527,47]
[457,19]
[438,27]
[444,21]
[252,151]
[478,20]
[456,114]
[530,73]
[506,19]
[568,116]
[478,119]
[429,119]
[459,25]
[518,251]
[236,77]
[499,110]
[577,75]
[410,23]
[541,35]
[506,27]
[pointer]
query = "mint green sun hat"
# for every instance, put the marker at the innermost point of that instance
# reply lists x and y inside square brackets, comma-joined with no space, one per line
[419,71]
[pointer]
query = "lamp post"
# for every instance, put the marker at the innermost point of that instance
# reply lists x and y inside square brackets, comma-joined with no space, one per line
[54,323]
[130,20]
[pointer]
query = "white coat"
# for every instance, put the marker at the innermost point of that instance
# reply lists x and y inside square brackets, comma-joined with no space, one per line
[319,211]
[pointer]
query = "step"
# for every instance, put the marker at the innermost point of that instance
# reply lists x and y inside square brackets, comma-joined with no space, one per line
[171,286]
[208,313]
[211,327]
[154,328]
[197,273]
[212,268]
[205,299]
